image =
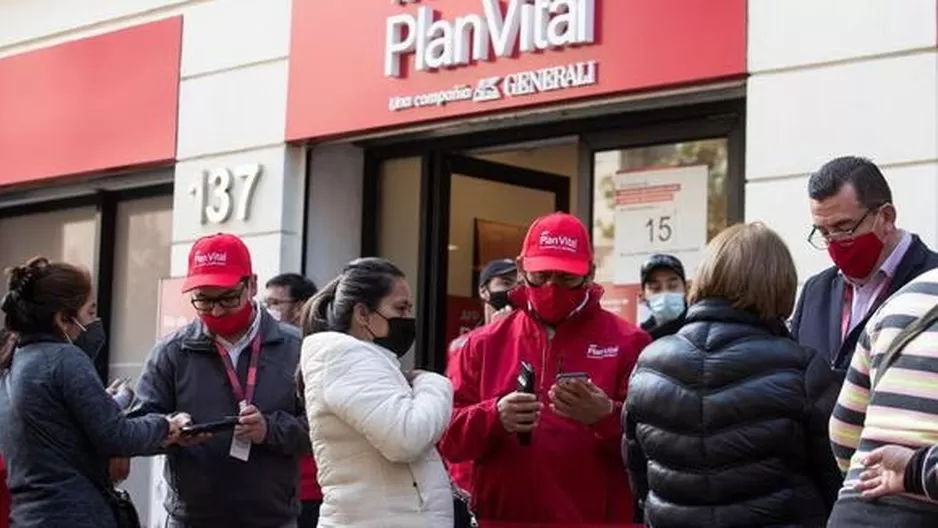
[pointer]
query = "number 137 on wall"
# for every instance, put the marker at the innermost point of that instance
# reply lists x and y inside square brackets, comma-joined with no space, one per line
[217,197]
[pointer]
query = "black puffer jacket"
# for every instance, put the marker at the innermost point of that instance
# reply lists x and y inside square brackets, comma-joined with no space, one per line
[726,425]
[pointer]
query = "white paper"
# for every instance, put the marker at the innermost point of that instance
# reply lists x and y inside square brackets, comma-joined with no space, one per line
[240,449]
[659,211]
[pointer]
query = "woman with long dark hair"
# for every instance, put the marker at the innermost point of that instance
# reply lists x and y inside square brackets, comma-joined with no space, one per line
[60,426]
[373,427]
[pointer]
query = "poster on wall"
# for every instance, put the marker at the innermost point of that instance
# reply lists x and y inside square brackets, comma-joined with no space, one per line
[623,300]
[662,210]
[173,307]
[462,315]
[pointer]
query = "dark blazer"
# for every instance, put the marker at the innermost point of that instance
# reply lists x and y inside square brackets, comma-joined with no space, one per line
[822,300]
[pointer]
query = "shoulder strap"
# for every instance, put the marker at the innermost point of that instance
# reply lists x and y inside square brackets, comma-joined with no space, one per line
[902,339]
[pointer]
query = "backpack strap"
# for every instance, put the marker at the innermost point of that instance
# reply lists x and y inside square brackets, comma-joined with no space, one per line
[903,338]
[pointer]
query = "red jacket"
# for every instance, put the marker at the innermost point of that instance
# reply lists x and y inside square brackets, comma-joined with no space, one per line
[309,485]
[4,497]
[460,472]
[570,474]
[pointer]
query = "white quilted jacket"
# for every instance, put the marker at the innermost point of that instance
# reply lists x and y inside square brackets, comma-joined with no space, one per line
[374,436]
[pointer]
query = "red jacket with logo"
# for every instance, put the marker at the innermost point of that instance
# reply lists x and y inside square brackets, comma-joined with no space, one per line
[570,473]
[4,497]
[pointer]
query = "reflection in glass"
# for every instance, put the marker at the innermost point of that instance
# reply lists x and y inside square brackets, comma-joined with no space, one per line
[710,152]
[68,235]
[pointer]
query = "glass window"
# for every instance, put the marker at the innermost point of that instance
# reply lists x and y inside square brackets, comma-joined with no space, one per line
[141,259]
[614,196]
[68,235]
[399,220]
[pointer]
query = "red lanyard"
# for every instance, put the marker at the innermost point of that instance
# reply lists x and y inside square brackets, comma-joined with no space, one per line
[847,312]
[240,394]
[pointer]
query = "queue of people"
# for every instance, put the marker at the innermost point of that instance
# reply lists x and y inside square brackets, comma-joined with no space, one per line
[731,405]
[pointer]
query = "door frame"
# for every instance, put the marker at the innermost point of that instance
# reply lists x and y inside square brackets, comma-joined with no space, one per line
[729,125]
[436,183]
[683,118]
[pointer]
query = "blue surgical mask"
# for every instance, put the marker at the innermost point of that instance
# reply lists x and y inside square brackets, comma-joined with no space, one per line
[666,306]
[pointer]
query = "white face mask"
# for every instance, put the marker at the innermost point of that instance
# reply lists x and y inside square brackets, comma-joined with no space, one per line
[666,306]
[275,313]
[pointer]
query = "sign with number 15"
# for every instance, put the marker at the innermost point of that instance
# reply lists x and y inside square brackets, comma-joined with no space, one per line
[659,211]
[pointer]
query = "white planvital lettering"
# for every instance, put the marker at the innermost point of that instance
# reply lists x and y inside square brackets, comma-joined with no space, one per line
[525,25]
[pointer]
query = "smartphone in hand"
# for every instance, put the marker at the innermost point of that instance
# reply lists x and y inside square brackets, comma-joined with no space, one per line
[571,376]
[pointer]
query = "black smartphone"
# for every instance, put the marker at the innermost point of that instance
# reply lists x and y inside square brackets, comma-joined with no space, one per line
[526,385]
[226,424]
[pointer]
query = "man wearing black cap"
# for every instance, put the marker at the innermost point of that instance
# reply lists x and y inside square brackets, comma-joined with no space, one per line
[664,287]
[496,279]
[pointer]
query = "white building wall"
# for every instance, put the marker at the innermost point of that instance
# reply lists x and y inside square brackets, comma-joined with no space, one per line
[837,77]
[232,111]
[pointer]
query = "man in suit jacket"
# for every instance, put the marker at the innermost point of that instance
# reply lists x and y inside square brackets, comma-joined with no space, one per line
[855,221]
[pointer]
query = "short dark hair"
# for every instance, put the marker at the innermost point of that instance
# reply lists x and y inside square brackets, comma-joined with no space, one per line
[38,291]
[299,287]
[364,281]
[862,174]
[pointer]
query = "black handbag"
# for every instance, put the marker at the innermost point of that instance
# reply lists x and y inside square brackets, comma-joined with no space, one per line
[124,510]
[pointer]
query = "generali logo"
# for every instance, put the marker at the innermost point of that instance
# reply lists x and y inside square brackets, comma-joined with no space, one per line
[548,240]
[493,32]
[213,258]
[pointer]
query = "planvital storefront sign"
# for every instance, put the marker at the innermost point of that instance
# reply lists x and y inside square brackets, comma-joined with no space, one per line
[400,62]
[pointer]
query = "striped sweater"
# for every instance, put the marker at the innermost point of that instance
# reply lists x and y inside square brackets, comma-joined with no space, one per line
[903,409]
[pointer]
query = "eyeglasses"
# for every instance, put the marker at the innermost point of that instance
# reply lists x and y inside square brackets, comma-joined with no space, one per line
[227,301]
[565,280]
[821,240]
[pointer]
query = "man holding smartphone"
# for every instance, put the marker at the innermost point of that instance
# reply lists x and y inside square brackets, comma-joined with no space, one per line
[569,471]
[235,360]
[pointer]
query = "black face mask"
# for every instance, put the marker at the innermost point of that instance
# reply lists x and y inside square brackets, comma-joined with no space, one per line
[402,331]
[498,300]
[92,339]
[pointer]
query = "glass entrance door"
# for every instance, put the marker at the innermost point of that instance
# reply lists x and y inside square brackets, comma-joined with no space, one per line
[491,205]
[661,196]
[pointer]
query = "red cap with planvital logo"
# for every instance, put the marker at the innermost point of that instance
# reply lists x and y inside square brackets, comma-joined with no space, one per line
[220,260]
[557,242]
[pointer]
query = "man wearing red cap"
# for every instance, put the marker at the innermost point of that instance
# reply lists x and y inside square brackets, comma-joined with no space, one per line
[235,360]
[551,457]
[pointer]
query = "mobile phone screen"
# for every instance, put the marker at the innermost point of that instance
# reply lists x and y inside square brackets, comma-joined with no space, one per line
[570,376]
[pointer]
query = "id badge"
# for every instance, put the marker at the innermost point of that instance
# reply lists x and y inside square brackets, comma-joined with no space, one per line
[240,449]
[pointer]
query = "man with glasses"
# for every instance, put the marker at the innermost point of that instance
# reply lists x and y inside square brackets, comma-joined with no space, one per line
[235,360]
[285,296]
[549,457]
[855,222]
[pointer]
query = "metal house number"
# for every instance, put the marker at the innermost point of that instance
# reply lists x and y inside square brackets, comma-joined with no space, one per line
[217,197]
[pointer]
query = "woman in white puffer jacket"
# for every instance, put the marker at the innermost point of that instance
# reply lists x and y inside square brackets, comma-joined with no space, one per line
[373,427]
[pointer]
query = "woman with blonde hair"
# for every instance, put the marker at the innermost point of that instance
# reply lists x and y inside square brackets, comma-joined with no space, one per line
[744,440]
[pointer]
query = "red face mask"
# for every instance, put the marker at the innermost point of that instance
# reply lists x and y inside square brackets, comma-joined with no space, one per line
[857,259]
[554,303]
[230,323]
